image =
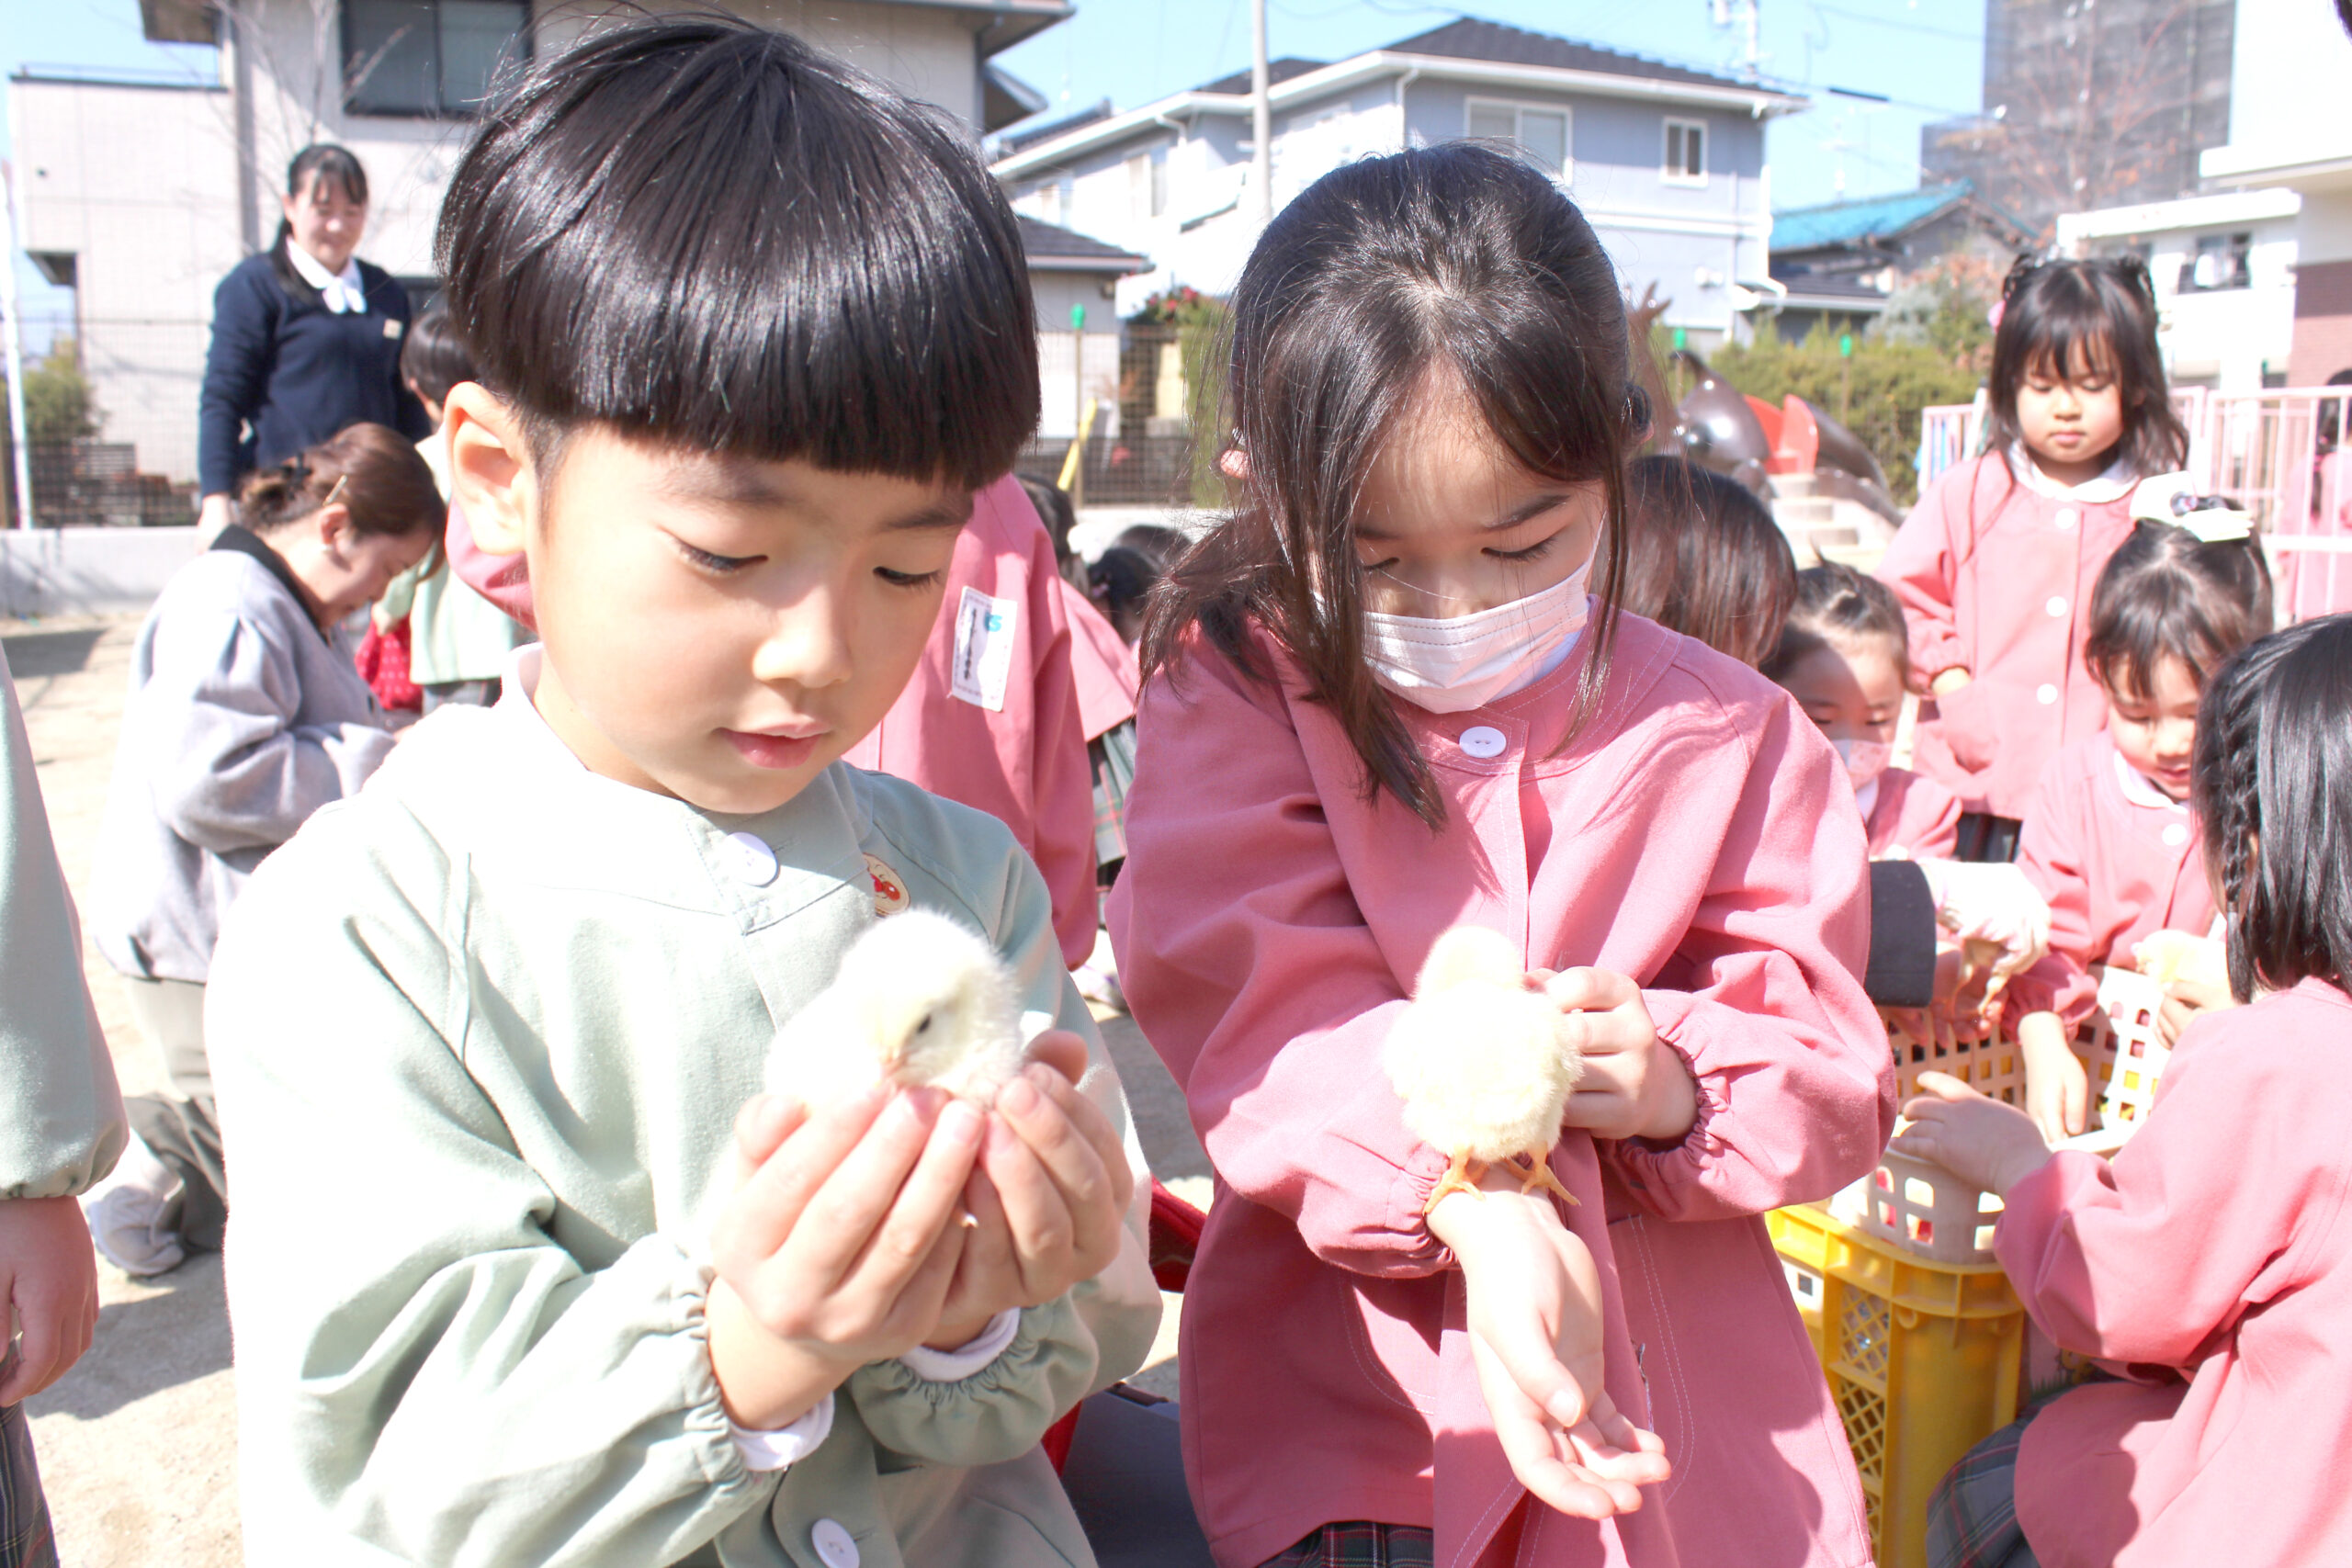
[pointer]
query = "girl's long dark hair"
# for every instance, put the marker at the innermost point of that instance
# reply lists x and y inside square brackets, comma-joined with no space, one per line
[2074,317]
[2273,795]
[323,161]
[1459,259]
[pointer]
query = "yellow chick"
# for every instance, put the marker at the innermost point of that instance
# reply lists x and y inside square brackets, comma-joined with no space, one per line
[2167,956]
[918,999]
[1484,1063]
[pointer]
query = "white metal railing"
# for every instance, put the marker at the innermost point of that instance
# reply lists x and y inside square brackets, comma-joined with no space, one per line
[2282,455]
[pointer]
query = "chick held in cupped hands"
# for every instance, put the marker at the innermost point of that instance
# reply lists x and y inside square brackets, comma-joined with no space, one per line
[919,999]
[1485,1061]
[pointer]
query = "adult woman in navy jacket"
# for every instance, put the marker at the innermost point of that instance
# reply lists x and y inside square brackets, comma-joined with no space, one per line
[306,338]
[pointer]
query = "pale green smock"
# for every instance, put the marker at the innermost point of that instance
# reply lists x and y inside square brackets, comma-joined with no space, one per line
[480,1035]
[60,1114]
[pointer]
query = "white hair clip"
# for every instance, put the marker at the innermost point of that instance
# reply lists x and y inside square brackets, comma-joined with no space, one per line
[2172,498]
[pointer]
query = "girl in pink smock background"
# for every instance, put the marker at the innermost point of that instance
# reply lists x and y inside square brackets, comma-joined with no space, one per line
[2110,839]
[1994,566]
[1846,658]
[2209,1256]
[1380,700]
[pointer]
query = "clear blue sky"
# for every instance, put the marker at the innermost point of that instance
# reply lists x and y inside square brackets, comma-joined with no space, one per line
[1927,55]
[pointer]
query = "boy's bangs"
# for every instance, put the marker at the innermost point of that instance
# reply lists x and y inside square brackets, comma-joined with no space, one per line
[709,235]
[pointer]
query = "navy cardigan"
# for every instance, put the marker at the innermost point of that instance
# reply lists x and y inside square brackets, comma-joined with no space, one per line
[285,372]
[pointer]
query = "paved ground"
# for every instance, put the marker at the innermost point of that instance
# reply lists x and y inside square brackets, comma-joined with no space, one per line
[137,1443]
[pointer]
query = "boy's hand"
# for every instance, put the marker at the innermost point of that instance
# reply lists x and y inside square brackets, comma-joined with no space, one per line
[1990,1146]
[1047,1199]
[1536,1338]
[2184,1000]
[2057,1085]
[49,1275]
[1634,1086]
[838,1247]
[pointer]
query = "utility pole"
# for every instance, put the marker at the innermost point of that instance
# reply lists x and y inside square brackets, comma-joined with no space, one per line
[14,348]
[1261,116]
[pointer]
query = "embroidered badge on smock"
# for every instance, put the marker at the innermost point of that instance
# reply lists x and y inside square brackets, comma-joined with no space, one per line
[983,650]
[889,891]
[393,328]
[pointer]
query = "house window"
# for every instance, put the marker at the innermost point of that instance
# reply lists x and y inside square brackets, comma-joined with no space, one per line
[2222,261]
[1541,133]
[429,57]
[1148,182]
[1159,181]
[1686,153]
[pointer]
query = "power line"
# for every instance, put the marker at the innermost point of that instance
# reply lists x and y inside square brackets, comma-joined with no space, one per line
[1866,18]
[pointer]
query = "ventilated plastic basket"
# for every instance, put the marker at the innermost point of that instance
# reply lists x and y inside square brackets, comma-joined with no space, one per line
[2119,1048]
[1921,1357]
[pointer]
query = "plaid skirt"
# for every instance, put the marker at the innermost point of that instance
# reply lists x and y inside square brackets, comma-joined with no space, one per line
[1359,1543]
[26,1539]
[1973,1517]
[1112,756]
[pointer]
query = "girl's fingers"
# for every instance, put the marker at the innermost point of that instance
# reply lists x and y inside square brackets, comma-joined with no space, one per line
[845,1215]
[1591,990]
[1038,1226]
[1062,1051]
[1046,1112]
[773,1195]
[1094,1125]
[905,1237]
[2077,1104]
[1523,1349]
[760,1127]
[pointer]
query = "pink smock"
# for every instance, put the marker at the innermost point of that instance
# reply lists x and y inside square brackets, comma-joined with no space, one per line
[2114,869]
[1912,818]
[2213,1246]
[1700,836]
[1006,739]
[1995,578]
[1103,665]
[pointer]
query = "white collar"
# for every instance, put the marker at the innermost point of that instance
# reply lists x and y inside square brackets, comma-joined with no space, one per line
[2114,485]
[2141,790]
[341,291]
[1866,797]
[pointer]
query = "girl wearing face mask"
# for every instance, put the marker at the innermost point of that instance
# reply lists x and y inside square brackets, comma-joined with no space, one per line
[306,337]
[2110,839]
[1844,656]
[1383,699]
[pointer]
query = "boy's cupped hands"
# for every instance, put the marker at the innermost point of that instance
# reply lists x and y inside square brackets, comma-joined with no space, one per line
[901,1217]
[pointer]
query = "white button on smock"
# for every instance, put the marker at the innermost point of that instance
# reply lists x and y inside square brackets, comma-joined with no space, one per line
[835,1546]
[2065,518]
[2045,693]
[1483,740]
[747,858]
[2177,835]
[2057,606]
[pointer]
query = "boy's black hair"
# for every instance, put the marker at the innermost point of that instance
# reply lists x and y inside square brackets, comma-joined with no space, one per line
[2273,793]
[1704,557]
[1054,510]
[1836,602]
[2074,318]
[433,356]
[2167,594]
[695,230]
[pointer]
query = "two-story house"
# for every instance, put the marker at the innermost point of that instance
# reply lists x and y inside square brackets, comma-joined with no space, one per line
[140,194]
[1667,163]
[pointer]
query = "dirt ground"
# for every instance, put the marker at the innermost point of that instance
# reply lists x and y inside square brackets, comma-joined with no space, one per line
[137,1443]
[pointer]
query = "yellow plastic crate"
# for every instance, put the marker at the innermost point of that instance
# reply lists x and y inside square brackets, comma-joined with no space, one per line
[1921,1357]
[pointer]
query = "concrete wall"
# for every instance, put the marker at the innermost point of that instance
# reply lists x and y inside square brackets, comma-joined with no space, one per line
[1062,390]
[88,571]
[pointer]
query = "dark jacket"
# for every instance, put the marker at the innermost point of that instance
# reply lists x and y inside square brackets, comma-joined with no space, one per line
[285,372]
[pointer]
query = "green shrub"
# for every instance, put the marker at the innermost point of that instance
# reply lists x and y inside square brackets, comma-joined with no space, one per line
[1877,392]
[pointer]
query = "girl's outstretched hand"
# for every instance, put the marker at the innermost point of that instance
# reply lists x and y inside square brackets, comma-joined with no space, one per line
[1635,1086]
[1535,1339]
[1990,1146]
[2184,1000]
[2057,1085]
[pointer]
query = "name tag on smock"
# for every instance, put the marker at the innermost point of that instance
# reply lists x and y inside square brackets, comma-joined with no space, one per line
[983,650]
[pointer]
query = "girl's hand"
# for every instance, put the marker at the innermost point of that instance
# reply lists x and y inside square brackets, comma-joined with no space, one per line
[1535,1339]
[2184,1000]
[2057,1085]
[839,1246]
[1990,1146]
[1047,1199]
[1634,1085]
[50,1277]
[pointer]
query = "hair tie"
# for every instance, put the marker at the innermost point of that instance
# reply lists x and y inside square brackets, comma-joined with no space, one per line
[2172,500]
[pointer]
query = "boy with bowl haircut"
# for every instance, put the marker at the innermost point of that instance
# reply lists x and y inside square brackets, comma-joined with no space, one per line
[513,1279]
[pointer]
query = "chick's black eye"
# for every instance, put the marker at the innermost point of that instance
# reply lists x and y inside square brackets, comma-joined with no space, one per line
[924,1026]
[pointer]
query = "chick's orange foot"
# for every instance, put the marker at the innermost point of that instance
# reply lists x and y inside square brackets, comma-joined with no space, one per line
[1462,1176]
[1537,1172]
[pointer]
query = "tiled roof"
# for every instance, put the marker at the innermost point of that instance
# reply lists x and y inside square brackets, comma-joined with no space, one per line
[1045,240]
[1849,222]
[1277,72]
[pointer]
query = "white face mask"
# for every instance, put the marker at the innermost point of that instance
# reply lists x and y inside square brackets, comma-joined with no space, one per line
[1467,662]
[1864,760]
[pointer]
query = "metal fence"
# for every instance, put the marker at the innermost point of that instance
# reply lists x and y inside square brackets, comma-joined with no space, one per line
[96,484]
[111,406]
[1124,471]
